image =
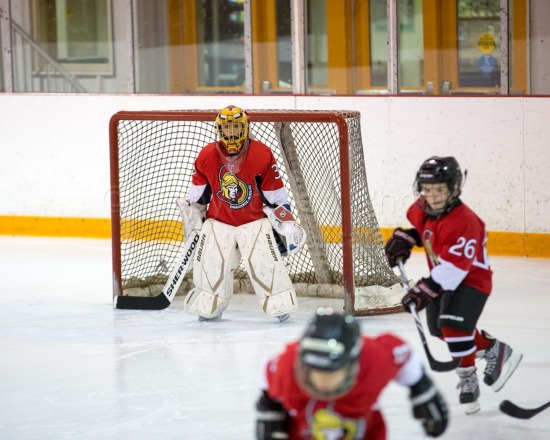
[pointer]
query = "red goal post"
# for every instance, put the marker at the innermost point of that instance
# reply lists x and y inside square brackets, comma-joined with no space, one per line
[320,156]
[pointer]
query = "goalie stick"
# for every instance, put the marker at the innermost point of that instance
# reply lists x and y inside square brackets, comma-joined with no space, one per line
[512,410]
[434,364]
[164,299]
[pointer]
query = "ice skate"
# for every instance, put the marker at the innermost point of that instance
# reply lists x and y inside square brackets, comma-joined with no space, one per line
[469,389]
[284,317]
[502,361]
[214,318]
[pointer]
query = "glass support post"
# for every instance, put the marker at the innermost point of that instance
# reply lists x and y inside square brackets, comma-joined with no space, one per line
[7,52]
[298,32]
[248,65]
[393,46]
[504,49]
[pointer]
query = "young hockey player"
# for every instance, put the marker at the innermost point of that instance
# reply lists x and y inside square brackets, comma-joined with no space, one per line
[327,384]
[460,279]
[235,184]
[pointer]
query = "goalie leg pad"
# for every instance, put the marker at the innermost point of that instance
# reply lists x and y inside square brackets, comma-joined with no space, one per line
[264,265]
[213,270]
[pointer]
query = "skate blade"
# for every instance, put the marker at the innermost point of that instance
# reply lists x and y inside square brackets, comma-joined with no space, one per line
[472,408]
[284,317]
[513,363]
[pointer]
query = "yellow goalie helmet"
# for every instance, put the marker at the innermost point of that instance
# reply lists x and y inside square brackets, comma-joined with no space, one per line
[232,126]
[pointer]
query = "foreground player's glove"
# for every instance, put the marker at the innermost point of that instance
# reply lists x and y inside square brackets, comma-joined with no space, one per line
[400,244]
[423,292]
[272,420]
[429,407]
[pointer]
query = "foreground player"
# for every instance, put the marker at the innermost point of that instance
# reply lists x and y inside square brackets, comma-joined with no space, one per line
[327,385]
[236,176]
[460,280]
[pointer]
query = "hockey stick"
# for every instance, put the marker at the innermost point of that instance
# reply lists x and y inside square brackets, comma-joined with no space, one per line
[164,299]
[434,364]
[512,410]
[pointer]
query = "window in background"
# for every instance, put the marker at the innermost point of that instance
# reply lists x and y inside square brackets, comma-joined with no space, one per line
[411,45]
[220,43]
[317,50]
[75,33]
[478,24]
[379,46]
[272,50]
[284,47]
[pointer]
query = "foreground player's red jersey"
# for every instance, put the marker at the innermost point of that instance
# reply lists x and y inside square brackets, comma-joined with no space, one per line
[235,196]
[455,247]
[354,416]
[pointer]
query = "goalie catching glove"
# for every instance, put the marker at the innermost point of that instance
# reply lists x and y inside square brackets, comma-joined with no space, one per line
[429,407]
[292,235]
[192,215]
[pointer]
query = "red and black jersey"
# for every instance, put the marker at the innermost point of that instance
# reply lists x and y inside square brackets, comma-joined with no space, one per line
[455,247]
[236,196]
[355,415]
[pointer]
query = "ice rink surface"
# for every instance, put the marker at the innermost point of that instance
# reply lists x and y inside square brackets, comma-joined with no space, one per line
[73,368]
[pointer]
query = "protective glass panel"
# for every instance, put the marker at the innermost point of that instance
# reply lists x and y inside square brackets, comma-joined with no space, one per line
[478,43]
[379,44]
[317,50]
[220,43]
[411,44]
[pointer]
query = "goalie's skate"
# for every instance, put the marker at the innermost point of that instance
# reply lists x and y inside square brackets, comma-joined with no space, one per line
[502,361]
[284,317]
[214,318]
[469,389]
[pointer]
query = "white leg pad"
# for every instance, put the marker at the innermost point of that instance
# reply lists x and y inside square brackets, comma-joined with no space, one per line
[213,270]
[265,267]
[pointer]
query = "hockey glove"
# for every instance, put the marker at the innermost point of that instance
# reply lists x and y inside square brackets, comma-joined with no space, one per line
[290,236]
[429,407]
[272,420]
[424,292]
[400,244]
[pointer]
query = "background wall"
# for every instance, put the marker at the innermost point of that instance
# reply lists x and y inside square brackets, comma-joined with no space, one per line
[54,153]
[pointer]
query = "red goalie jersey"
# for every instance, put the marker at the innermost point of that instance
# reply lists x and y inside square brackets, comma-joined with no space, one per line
[455,247]
[235,188]
[355,415]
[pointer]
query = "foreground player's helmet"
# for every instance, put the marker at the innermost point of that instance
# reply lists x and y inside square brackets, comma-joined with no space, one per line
[232,126]
[439,170]
[329,349]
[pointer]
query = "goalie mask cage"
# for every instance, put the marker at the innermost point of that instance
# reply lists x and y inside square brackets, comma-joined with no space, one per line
[320,158]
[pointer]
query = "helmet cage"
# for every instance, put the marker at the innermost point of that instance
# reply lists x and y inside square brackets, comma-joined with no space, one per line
[439,170]
[303,376]
[232,125]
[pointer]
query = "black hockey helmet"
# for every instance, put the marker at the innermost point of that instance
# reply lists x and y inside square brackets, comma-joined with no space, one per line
[439,170]
[331,341]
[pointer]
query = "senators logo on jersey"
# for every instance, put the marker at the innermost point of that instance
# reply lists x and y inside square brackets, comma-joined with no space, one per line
[233,191]
[325,424]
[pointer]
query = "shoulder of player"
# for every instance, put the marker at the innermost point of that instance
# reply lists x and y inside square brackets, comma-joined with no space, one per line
[463,215]
[259,147]
[208,148]
[414,213]
[381,342]
[383,351]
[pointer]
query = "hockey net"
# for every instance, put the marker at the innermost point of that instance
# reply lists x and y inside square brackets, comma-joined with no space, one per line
[320,157]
